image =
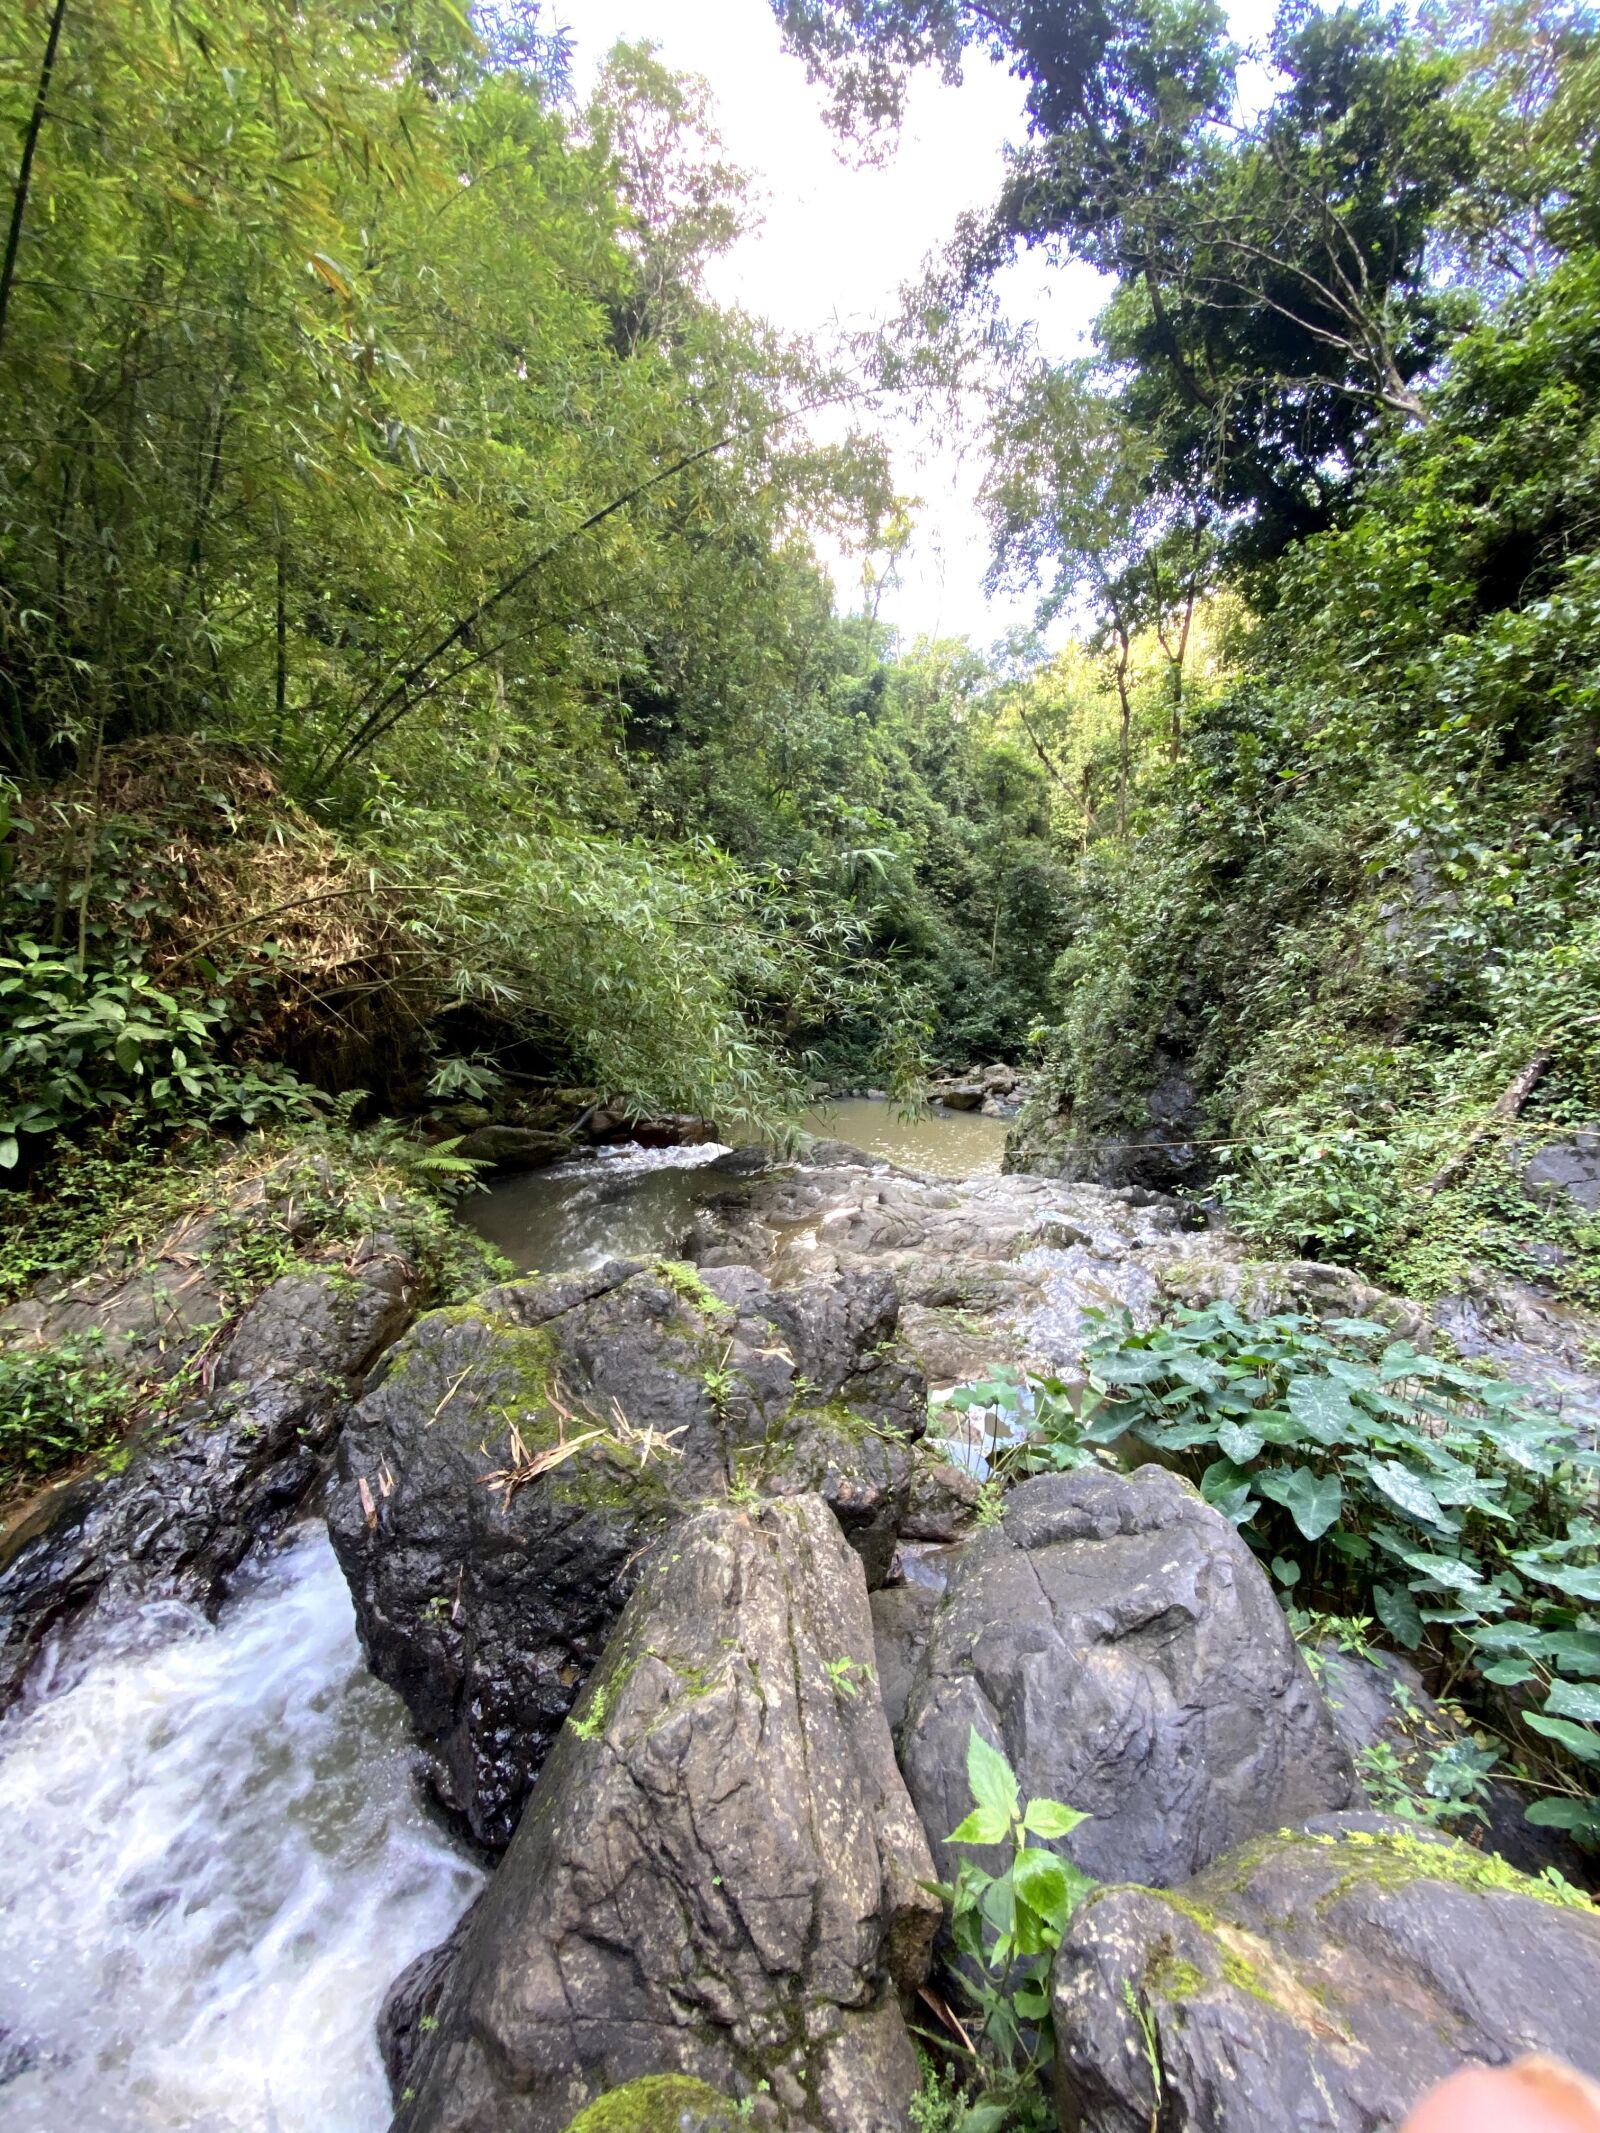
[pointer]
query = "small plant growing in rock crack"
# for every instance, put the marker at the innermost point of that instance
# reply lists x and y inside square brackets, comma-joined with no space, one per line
[719,1381]
[685,1281]
[589,1728]
[842,1675]
[1007,1926]
[991,1505]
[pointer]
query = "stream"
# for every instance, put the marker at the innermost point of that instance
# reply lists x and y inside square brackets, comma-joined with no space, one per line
[215,1863]
[216,1857]
[636,1203]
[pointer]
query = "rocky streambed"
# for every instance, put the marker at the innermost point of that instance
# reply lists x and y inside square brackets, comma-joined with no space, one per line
[623,1751]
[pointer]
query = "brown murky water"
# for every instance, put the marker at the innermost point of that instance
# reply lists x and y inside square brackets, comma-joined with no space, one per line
[950,1144]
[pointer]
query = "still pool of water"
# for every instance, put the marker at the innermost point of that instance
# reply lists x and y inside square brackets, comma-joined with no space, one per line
[950,1144]
[214,1865]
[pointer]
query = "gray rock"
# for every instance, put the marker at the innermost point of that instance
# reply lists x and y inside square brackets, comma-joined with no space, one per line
[959,1095]
[1546,1345]
[1326,1978]
[1155,1139]
[1570,1168]
[902,1615]
[222,1476]
[410,2009]
[943,1502]
[1115,1636]
[487,1580]
[991,1270]
[719,1874]
[515,1147]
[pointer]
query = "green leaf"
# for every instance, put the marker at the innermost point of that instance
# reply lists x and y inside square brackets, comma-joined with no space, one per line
[1239,1441]
[1577,1817]
[1577,1740]
[1049,1818]
[1579,1584]
[1397,1611]
[1508,1673]
[1407,1491]
[1574,1648]
[1322,1409]
[1447,1570]
[985,1825]
[1284,1570]
[1574,1699]
[1312,1501]
[1040,1880]
[992,1780]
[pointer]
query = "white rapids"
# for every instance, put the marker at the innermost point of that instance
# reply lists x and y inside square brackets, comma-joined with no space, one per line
[214,1862]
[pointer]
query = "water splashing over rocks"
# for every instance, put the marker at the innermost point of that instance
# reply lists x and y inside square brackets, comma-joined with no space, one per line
[214,1864]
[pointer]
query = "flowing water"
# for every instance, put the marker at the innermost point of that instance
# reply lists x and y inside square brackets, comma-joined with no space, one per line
[214,1864]
[620,1203]
[215,1859]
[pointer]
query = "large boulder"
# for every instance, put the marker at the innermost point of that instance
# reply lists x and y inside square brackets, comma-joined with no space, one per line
[223,1474]
[505,1474]
[1326,1977]
[719,1874]
[1116,1638]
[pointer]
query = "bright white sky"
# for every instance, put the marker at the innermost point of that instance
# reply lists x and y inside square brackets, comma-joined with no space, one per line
[837,242]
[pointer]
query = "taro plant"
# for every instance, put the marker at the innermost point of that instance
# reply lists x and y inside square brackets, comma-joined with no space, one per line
[1375,1479]
[1006,1926]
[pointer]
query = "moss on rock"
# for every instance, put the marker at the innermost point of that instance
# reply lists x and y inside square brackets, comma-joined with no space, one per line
[659,2103]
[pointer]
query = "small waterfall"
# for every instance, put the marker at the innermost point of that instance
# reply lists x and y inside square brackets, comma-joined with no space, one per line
[214,1863]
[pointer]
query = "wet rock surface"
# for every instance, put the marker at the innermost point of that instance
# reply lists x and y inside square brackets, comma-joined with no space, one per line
[504,1477]
[1164,1151]
[1546,1345]
[1567,1169]
[902,1616]
[1326,1978]
[222,1475]
[990,1269]
[1116,1638]
[515,1147]
[719,1874]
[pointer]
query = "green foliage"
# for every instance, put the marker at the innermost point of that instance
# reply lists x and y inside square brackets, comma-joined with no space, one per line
[373,423]
[243,1214]
[1006,1926]
[76,1042]
[58,1404]
[1402,1485]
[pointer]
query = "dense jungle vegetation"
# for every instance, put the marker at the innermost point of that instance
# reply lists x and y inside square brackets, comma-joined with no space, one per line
[416,668]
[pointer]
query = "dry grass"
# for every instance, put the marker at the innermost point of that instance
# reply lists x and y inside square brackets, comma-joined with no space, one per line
[193,854]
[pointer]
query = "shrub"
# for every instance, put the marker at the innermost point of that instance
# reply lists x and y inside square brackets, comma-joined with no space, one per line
[57,1405]
[1378,1480]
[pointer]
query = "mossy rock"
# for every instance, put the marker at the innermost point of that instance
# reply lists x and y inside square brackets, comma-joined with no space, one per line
[1327,1975]
[659,2103]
